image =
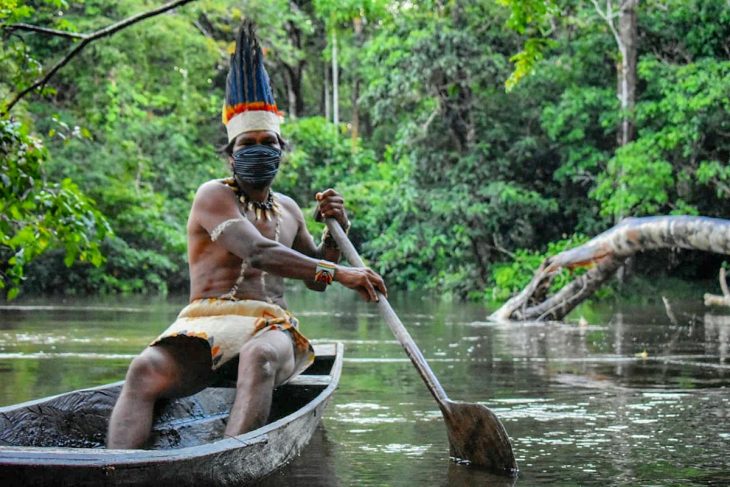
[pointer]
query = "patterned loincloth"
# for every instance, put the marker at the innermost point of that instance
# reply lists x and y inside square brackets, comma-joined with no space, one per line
[226,325]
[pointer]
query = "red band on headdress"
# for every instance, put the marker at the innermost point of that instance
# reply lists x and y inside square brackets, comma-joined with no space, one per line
[231,111]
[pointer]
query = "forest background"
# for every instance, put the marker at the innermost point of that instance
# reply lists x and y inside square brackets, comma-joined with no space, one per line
[469,138]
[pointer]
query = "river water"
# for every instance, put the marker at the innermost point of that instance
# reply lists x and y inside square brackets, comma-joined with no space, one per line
[616,396]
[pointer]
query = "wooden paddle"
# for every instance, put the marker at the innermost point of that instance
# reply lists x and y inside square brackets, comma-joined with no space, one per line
[476,436]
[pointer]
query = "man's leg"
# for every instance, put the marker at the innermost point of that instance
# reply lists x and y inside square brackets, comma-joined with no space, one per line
[165,370]
[264,362]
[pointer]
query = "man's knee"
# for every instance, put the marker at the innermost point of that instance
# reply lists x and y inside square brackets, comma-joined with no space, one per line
[150,374]
[261,358]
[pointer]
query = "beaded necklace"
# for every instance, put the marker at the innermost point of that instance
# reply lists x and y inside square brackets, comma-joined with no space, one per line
[261,208]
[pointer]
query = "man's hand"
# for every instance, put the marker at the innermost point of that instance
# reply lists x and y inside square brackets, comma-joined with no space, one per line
[363,280]
[330,204]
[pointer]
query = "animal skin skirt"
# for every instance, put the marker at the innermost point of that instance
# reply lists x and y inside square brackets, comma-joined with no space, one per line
[228,324]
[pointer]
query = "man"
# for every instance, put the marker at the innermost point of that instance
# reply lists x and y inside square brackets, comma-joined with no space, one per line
[243,239]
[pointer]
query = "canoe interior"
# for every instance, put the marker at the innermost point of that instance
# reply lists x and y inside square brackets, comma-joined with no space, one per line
[79,419]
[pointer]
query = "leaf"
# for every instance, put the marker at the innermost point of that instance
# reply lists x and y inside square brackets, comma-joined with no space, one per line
[12,293]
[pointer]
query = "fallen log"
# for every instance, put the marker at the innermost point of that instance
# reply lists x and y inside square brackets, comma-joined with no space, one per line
[605,254]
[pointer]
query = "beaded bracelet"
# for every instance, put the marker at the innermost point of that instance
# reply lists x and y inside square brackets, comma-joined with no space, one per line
[325,272]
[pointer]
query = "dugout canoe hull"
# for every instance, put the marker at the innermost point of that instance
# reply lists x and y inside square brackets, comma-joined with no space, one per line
[59,440]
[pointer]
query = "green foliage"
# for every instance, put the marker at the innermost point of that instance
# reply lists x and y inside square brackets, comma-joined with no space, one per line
[434,80]
[583,123]
[635,182]
[448,173]
[335,12]
[532,52]
[511,277]
[133,128]
[529,17]
[319,157]
[36,215]
[524,14]
[20,63]
[681,119]
[716,174]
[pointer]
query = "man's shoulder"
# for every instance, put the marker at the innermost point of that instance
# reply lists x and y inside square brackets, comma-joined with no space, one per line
[214,186]
[213,195]
[218,183]
[290,205]
[286,201]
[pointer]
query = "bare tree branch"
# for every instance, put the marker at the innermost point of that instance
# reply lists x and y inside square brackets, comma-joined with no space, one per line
[714,299]
[202,29]
[607,252]
[86,40]
[608,16]
[723,283]
[43,30]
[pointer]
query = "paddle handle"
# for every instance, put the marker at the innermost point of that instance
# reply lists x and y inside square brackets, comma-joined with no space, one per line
[400,332]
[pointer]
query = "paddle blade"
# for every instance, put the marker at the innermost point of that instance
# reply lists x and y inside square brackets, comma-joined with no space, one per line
[477,437]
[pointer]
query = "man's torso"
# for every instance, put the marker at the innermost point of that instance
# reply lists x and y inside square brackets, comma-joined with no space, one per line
[214,271]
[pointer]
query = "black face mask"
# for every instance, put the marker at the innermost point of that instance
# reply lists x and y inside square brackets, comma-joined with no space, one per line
[256,164]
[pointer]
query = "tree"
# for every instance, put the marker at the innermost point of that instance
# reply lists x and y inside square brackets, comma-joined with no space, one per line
[477,178]
[85,39]
[39,215]
[453,184]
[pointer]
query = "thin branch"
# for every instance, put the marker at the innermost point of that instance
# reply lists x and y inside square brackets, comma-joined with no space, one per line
[43,30]
[87,39]
[608,16]
[502,250]
[424,127]
[202,30]
[723,283]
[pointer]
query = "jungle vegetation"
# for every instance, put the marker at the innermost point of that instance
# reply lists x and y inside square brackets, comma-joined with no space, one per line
[469,138]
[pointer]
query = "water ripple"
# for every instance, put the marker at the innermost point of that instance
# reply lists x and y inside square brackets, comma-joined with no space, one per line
[54,355]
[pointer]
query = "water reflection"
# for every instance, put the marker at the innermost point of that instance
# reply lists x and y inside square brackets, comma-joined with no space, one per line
[460,475]
[314,467]
[621,397]
[717,336]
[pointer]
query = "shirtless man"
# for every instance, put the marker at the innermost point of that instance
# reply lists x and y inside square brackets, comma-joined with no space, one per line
[243,239]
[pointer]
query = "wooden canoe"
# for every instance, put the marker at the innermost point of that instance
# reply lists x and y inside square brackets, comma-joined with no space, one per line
[59,440]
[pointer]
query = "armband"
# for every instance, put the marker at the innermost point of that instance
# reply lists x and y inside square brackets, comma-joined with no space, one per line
[217,231]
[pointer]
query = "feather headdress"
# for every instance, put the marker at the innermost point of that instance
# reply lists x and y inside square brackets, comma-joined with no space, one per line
[250,103]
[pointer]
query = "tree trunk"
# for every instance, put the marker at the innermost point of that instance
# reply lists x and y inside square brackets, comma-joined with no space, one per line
[355,124]
[626,37]
[605,254]
[293,77]
[327,102]
[335,83]
[293,73]
[627,44]
[458,106]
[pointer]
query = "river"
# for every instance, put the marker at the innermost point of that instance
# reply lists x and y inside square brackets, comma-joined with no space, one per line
[618,395]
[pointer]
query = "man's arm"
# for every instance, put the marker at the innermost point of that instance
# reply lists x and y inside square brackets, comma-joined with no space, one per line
[304,242]
[216,204]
